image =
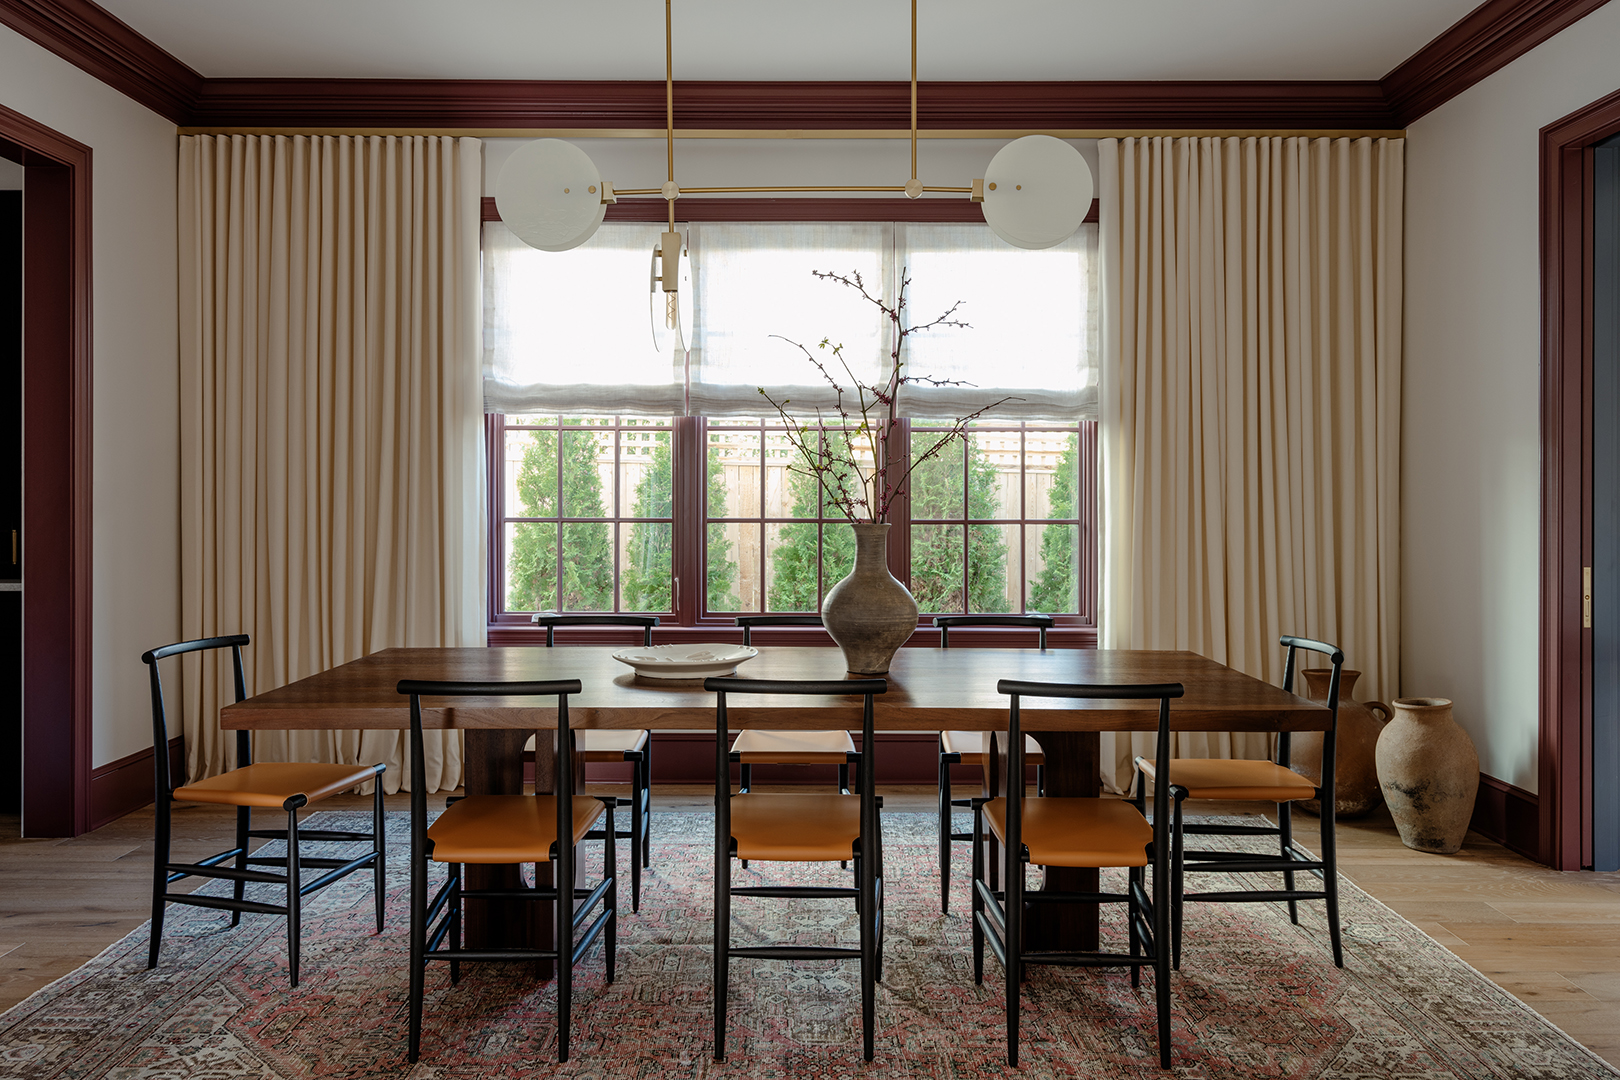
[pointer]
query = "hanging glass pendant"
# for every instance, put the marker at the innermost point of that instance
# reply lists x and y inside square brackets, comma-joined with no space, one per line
[669,293]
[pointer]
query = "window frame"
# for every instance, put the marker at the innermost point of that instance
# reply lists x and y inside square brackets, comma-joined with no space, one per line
[689,445]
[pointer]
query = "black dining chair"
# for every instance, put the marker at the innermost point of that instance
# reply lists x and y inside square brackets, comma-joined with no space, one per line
[610,745]
[811,827]
[1272,781]
[1075,832]
[967,747]
[756,747]
[508,830]
[269,785]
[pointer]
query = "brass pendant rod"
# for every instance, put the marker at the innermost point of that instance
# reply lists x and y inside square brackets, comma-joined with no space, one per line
[914,89]
[669,102]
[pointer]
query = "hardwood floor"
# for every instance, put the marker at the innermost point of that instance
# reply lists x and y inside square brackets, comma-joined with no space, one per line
[1550,938]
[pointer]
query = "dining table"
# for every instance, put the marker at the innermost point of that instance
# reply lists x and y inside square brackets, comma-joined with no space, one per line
[929,689]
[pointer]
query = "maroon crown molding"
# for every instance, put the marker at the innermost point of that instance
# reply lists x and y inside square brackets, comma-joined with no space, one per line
[90,37]
[1482,42]
[437,104]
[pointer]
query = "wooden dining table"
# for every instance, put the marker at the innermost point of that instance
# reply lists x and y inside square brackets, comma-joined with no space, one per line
[929,689]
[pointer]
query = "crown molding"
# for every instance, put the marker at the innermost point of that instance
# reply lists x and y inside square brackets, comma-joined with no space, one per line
[226,104]
[92,38]
[1492,35]
[1481,43]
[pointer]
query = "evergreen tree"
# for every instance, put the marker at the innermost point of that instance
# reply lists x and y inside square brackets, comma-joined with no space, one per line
[646,577]
[936,550]
[1054,589]
[794,560]
[587,564]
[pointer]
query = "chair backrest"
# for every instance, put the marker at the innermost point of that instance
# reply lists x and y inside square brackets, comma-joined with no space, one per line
[865,768]
[163,782]
[562,781]
[1018,689]
[1030,618]
[750,622]
[551,620]
[1329,737]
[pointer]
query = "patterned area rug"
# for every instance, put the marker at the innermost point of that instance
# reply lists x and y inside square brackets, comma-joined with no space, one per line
[1257,997]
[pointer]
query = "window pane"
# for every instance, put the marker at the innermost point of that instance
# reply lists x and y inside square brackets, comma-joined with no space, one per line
[645,473]
[993,474]
[587,476]
[936,484]
[587,566]
[733,474]
[837,553]
[788,491]
[1053,557]
[792,553]
[1050,475]
[531,473]
[733,567]
[936,567]
[993,572]
[644,576]
[531,567]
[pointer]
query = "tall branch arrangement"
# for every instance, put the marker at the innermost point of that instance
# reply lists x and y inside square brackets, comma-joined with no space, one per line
[868,415]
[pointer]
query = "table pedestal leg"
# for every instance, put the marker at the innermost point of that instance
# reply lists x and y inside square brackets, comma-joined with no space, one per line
[493,765]
[1071,771]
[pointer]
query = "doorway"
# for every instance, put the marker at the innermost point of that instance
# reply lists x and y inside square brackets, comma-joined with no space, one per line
[11,309]
[1602,779]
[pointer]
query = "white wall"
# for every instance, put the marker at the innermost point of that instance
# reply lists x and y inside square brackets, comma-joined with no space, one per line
[135,375]
[1470,477]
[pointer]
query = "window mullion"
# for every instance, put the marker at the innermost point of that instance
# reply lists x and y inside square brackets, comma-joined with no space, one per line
[900,509]
[688,483]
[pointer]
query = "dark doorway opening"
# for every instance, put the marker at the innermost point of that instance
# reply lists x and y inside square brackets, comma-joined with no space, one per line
[11,310]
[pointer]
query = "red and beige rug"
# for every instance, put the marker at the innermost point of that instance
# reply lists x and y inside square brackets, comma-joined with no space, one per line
[1257,997]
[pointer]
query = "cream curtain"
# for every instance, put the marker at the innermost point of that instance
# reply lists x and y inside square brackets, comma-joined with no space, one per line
[1250,406]
[331,440]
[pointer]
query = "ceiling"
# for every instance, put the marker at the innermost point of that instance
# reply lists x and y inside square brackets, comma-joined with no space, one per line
[824,40]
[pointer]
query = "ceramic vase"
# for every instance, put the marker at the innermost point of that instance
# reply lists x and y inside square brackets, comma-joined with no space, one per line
[869,614]
[1429,771]
[1355,753]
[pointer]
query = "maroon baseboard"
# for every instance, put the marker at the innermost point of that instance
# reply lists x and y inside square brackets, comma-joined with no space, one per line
[1509,815]
[120,786]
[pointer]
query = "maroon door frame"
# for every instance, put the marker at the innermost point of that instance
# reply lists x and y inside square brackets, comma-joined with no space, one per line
[56,475]
[1566,479]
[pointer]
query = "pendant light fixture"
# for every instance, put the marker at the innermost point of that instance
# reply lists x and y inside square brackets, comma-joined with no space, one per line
[1034,194]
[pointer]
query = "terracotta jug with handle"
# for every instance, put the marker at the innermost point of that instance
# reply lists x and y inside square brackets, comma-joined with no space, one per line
[1355,775]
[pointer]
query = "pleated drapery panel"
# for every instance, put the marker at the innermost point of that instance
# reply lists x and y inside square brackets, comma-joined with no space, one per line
[1249,434]
[331,441]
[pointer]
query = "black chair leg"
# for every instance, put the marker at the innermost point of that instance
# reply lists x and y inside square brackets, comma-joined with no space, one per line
[636,841]
[160,878]
[1015,945]
[722,942]
[1178,882]
[610,863]
[868,924]
[455,882]
[1285,831]
[294,900]
[646,804]
[978,902]
[379,847]
[944,836]
[1330,883]
[243,823]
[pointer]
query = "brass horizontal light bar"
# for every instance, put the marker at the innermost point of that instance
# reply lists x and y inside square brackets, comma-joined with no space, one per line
[897,134]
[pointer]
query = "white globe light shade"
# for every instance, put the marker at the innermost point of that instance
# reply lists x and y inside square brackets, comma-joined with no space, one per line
[1037,191]
[549,194]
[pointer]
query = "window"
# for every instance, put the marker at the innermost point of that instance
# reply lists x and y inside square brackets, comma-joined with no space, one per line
[624,507]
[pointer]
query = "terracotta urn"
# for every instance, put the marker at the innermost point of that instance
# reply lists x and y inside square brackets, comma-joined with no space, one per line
[1355,771]
[1429,771]
[869,614]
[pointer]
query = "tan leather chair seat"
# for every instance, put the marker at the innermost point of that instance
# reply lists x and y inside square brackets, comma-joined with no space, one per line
[272,783]
[970,744]
[796,828]
[608,744]
[756,746]
[1077,832]
[505,828]
[1221,778]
